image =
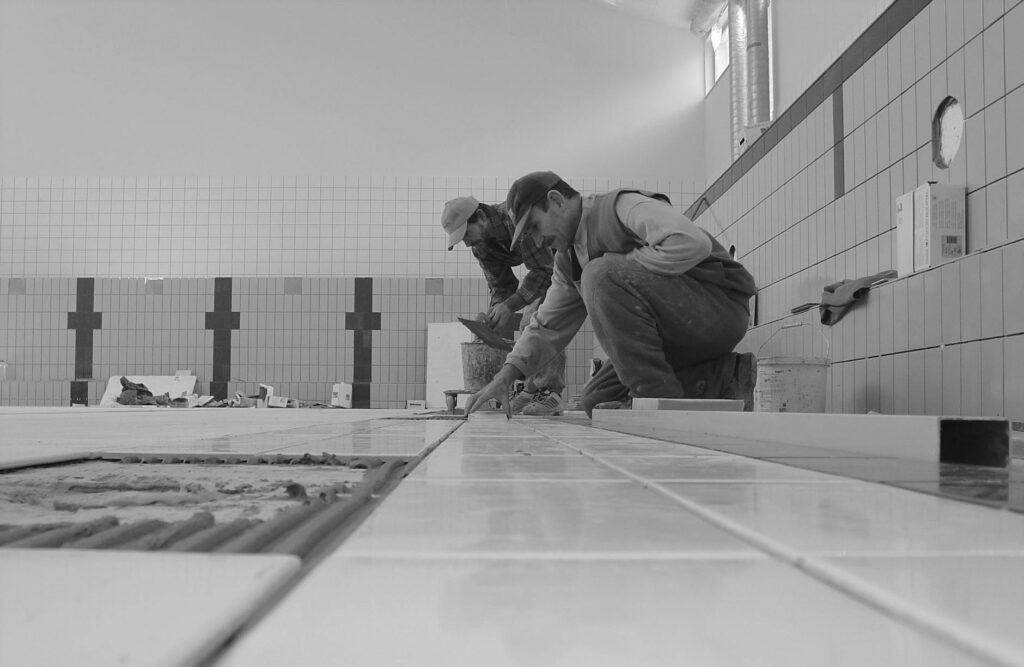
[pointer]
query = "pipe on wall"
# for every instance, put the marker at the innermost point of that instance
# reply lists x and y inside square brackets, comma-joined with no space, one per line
[737,63]
[750,63]
[759,92]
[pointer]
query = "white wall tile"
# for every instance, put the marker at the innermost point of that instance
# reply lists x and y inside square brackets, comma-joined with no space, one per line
[995,214]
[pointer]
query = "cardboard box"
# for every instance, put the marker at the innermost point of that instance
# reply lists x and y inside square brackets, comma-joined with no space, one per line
[940,224]
[905,234]
[341,395]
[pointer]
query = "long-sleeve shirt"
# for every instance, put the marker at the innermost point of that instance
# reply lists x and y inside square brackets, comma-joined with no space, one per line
[496,258]
[643,228]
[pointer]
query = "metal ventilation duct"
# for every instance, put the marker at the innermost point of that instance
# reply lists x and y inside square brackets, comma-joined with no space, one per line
[750,65]
[704,15]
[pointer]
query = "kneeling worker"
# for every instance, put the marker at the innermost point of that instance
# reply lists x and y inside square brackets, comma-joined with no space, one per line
[487,231]
[666,301]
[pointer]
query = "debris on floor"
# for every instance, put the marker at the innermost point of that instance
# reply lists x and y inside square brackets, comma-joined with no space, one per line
[283,504]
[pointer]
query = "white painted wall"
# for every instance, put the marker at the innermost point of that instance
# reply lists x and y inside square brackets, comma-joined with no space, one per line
[392,87]
[809,35]
[718,127]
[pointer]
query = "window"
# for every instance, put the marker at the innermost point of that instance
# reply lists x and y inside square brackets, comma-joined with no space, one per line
[716,50]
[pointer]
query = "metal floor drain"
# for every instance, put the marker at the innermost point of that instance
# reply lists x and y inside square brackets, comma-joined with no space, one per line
[270,503]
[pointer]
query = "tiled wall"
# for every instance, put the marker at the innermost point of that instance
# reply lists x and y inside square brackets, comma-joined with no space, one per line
[812,202]
[297,283]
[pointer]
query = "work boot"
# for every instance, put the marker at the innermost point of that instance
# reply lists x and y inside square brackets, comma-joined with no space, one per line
[520,401]
[545,404]
[731,375]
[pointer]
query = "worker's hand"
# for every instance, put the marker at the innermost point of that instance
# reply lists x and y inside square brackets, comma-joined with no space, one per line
[499,317]
[498,389]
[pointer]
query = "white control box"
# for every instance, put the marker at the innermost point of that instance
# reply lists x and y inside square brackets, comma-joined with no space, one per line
[940,224]
[905,234]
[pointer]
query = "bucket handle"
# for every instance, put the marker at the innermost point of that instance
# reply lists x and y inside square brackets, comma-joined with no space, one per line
[828,344]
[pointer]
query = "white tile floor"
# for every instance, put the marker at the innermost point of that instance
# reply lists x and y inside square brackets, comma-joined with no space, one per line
[543,542]
[102,608]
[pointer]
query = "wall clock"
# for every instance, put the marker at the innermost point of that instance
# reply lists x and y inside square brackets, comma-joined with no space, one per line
[947,131]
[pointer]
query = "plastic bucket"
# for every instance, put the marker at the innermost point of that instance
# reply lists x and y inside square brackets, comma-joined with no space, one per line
[480,363]
[791,384]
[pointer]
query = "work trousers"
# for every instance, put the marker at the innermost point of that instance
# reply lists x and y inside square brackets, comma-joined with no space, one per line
[654,328]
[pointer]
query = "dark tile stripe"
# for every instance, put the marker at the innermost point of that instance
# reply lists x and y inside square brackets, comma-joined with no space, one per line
[84,321]
[363,322]
[364,295]
[887,25]
[79,392]
[839,144]
[222,321]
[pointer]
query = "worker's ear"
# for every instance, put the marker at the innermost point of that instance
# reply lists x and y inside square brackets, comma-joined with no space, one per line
[556,198]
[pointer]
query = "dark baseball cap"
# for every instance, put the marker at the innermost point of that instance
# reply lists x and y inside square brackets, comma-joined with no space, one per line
[526,192]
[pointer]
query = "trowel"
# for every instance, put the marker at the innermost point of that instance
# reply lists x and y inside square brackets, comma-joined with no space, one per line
[486,334]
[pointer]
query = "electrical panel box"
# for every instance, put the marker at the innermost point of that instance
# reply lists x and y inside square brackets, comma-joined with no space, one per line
[940,224]
[905,234]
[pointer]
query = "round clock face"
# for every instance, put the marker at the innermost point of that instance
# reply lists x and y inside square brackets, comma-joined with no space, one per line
[947,131]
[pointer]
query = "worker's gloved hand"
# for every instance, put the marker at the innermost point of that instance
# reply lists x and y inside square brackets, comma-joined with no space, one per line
[499,317]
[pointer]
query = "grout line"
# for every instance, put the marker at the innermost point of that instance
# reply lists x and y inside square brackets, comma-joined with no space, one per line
[947,630]
[598,556]
[516,480]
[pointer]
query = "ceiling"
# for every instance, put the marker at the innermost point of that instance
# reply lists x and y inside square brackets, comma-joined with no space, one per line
[675,13]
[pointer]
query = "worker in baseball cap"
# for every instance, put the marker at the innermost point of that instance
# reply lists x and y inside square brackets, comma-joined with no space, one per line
[666,301]
[487,231]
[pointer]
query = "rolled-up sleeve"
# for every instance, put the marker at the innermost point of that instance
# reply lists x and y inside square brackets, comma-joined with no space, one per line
[673,244]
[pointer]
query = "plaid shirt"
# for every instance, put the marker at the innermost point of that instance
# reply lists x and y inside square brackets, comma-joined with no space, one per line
[497,259]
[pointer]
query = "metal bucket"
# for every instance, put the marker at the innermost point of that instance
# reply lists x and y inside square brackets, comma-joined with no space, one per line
[480,363]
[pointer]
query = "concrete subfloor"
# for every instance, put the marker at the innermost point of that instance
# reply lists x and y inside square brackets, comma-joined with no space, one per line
[533,541]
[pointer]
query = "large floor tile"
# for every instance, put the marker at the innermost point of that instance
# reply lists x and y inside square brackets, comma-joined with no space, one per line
[528,517]
[859,517]
[715,469]
[29,434]
[446,463]
[981,593]
[473,444]
[102,608]
[764,450]
[499,612]
[1008,494]
[380,444]
[872,469]
[627,445]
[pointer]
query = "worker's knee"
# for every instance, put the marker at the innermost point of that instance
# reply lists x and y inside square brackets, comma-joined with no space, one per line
[605,267]
[604,274]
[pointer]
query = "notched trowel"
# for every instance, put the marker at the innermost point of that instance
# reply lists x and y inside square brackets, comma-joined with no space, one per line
[487,334]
